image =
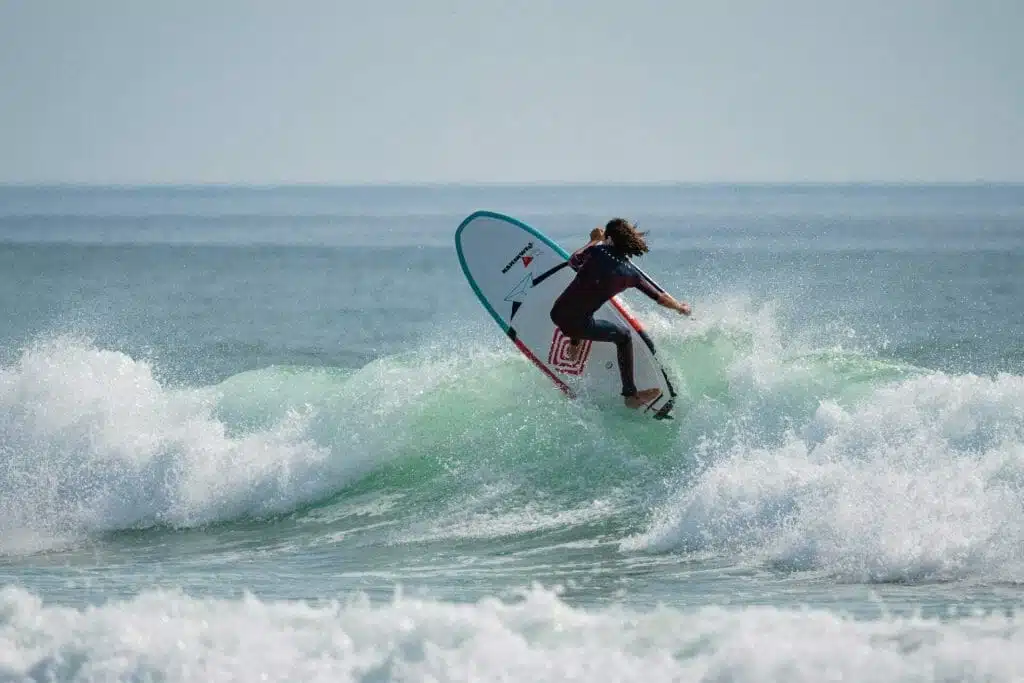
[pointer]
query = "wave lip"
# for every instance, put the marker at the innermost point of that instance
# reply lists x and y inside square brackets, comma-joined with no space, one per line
[174,637]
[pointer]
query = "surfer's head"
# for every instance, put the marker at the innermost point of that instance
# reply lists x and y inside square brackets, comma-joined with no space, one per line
[625,237]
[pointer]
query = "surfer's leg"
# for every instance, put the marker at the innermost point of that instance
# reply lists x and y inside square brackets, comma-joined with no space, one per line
[610,331]
[618,334]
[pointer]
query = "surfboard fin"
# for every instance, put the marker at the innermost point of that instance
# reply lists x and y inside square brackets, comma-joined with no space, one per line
[663,412]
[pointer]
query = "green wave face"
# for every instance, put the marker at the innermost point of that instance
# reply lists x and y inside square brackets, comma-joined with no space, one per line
[439,426]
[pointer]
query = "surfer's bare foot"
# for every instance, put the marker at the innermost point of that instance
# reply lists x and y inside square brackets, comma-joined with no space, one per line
[642,398]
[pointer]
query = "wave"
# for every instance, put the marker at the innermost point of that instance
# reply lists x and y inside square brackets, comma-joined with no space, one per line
[799,456]
[537,637]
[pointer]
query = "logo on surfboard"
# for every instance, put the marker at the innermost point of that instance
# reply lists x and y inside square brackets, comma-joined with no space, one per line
[558,354]
[518,293]
[522,252]
[527,254]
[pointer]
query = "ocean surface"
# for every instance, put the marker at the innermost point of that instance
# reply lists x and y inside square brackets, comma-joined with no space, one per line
[269,434]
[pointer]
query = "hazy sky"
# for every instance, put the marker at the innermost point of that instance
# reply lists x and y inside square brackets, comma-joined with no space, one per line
[148,91]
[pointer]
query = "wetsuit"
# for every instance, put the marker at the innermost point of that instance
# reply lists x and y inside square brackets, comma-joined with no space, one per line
[602,271]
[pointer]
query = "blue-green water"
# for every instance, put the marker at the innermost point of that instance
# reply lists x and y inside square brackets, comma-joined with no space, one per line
[270,434]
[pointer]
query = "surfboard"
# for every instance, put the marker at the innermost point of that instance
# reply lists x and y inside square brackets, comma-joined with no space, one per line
[517,272]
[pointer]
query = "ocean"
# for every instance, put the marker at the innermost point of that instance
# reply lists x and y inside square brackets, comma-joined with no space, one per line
[269,434]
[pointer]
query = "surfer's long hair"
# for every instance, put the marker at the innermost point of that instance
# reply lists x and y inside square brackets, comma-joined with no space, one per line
[625,237]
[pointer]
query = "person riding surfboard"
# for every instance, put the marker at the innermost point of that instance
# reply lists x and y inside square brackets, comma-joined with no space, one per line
[603,270]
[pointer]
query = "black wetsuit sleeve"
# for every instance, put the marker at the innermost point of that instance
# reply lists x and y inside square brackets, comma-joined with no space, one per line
[641,283]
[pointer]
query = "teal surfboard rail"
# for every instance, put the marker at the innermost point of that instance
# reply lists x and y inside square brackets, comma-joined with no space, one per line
[465,269]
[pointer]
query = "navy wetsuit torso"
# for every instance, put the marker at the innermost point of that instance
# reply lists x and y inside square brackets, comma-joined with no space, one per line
[601,272]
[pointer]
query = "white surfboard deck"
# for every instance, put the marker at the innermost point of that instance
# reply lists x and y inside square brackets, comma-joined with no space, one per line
[517,272]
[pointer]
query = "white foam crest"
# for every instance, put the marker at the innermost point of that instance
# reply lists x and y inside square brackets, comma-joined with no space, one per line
[173,637]
[923,479]
[92,441]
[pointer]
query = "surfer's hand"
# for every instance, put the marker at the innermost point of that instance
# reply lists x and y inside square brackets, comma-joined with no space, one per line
[596,235]
[669,302]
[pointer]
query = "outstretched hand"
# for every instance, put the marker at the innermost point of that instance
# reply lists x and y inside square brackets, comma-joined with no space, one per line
[596,235]
[669,302]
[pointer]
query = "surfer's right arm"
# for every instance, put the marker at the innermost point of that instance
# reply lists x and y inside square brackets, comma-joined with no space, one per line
[661,298]
[577,259]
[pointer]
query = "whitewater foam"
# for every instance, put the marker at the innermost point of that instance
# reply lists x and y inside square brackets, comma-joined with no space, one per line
[537,637]
[924,479]
[92,441]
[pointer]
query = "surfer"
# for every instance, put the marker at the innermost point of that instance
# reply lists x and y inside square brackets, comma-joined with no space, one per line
[603,269]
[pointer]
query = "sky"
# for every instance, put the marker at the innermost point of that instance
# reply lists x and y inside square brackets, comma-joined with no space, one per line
[491,91]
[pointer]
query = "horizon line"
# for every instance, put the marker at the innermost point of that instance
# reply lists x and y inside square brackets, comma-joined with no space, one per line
[506,184]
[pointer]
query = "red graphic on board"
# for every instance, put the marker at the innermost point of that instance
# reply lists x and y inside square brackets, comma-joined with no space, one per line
[526,260]
[558,354]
